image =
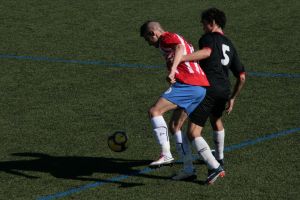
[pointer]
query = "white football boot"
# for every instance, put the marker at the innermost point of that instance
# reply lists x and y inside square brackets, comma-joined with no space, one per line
[162,161]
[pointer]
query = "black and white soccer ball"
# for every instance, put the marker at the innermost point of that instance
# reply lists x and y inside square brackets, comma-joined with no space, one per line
[118,141]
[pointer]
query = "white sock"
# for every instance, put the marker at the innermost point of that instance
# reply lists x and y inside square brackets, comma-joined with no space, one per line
[219,137]
[205,152]
[184,151]
[160,130]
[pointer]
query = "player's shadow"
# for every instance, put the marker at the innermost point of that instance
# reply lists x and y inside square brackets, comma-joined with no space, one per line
[76,167]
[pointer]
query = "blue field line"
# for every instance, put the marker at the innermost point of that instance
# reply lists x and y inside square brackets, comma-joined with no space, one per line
[260,139]
[148,170]
[95,62]
[83,62]
[267,74]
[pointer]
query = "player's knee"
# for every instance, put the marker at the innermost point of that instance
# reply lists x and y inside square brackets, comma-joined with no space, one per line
[217,126]
[194,131]
[193,135]
[216,123]
[153,112]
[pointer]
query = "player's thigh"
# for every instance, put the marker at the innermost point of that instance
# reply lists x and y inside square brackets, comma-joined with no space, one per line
[161,106]
[200,115]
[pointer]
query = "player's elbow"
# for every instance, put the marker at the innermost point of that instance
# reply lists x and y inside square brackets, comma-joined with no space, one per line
[242,78]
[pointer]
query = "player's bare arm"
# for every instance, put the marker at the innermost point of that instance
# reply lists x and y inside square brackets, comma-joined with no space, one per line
[197,55]
[179,51]
[240,81]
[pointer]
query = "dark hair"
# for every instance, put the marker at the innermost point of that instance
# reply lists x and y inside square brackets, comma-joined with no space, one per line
[214,14]
[144,27]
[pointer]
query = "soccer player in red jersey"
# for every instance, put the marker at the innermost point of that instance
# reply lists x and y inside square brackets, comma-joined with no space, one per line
[187,87]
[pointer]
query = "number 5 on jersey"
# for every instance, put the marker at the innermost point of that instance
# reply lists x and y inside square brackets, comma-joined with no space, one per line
[225,48]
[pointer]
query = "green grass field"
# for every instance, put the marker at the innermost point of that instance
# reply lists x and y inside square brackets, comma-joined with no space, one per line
[55,114]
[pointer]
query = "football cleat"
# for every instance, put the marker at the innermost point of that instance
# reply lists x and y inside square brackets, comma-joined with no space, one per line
[214,174]
[162,161]
[209,171]
[185,176]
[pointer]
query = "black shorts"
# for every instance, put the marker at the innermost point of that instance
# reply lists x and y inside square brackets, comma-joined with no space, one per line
[210,105]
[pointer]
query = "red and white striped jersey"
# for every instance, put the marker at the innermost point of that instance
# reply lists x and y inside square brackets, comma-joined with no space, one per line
[187,72]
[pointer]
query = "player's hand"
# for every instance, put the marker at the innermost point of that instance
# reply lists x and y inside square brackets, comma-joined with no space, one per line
[171,78]
[230,105]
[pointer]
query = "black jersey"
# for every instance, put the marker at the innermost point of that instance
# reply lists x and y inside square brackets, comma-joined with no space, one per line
[216,67]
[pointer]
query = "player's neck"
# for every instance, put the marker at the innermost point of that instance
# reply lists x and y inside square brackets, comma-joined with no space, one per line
[217,29]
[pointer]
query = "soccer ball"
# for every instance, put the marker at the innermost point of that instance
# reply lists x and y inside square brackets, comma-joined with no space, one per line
[117,142]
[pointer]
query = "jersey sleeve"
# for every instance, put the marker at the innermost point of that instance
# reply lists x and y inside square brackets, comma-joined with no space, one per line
[170,41]
[236,67]
[206,41]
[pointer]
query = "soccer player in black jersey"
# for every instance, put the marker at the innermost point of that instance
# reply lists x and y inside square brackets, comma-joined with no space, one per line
[216,55]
